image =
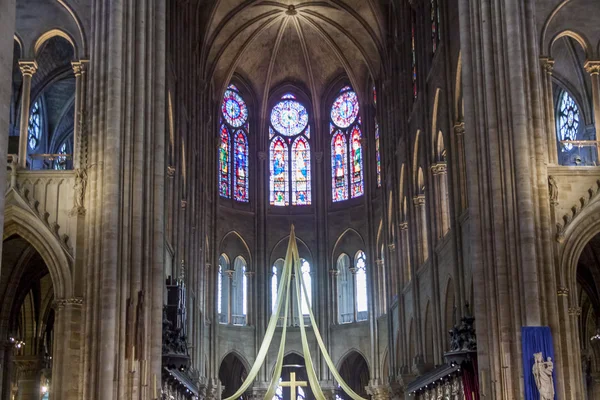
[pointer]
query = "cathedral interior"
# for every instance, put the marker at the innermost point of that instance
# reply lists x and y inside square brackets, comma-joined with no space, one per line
[434,163]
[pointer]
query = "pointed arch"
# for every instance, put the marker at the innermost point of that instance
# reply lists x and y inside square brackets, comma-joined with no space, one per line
[44,37]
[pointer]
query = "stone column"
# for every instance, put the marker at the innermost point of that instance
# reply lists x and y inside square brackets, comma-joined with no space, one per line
[380,276]
[250,290]
[333,273]
[28,68]
[593,68]
[29,370]
[547,68]
[79,69]
[407,273]
[440,177]
[353,272]
[421,218]
[459,133]
[229,274]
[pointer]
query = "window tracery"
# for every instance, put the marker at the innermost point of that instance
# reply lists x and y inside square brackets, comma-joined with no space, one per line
[234,133]
[290,157]
[35,126]
[568,121]
[345,127]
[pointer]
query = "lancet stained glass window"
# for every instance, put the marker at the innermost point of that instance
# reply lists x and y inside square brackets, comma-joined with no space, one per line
[568,120]
[61,161]
[290,158]
[35,126]
[378,154]
[346,147]
[234,132]
[360,264]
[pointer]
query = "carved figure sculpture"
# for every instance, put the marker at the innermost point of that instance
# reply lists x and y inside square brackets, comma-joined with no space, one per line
[553,189]
[542,372]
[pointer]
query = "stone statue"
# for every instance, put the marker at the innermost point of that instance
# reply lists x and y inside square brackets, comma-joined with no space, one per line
[553,189]
[542,372]
[80,186]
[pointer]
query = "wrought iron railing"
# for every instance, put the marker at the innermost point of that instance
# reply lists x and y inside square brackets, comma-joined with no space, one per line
[58,162]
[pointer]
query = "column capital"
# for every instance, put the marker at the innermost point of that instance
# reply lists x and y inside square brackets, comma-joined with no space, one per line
[575,311]
[459,128]
[72,301]
[592,67]
[334,272]
[419,200]
[392,247]
[78,68]
[319,157]
[249,274]
[403,226]
[29,366]
[379,262]
[262,155]
[439,168]
[28,68]
[562,291]
[230,272]
[547,64]
[378,392]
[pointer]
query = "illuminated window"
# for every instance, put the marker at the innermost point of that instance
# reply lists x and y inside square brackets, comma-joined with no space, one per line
[345,130]
[290,158]
[35,126]
[233,132]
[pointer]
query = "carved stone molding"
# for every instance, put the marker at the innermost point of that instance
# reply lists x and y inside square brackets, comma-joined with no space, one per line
[575,311]
[562,291]
[29,367]
[79,187]
[378,392]
[183,204]
[419,200]
[73,301]
[592,67]
[28,68]
[439,168]
[403,226]
[78,67]
[334,272]
[459,129]
[547,65]
[553,190]
[392,247]
[170,171]
[575,210]
[249,274]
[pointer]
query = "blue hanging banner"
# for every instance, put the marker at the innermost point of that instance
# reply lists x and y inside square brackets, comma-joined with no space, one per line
[538,363]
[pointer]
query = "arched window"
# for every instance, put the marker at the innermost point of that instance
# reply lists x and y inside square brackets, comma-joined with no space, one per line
[345,129]
[377,149]
[413,28]
[435,24]
[61,161]
[361,286]
[233,132]
[223,286]
[35,126]
[306,279]
[275,274]
[345,290]
[293,313]
[568,121]
[239,292]
[289,135]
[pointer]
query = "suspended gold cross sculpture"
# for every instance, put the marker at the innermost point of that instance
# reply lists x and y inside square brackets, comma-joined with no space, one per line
[293,384]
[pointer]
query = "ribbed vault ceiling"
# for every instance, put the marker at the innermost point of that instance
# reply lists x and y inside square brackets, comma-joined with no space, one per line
[269,43]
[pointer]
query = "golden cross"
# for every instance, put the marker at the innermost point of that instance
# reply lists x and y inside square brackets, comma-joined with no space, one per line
[293,384]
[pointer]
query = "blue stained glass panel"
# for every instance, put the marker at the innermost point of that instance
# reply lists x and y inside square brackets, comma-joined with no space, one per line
[279,172]
[345,109]
[234,109]
[241,167]
[224,160]
[301,193]
[357,163]
[339,162]
[289,117]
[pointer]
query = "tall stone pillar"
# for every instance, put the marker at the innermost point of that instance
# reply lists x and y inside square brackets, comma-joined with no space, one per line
[79,69]
[406,267]
[333,273]
[593,68]
[440,177]
[124,202]
[7,30]
[514,277]
[28,68]
[459,134]
[29,370]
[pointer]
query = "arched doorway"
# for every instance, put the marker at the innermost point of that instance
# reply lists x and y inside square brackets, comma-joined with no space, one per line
[355,372]
[232,374]
[27,320]
[293,363]
[588,289]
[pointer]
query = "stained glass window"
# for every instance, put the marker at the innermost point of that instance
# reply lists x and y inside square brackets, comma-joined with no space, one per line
[346,147]
[289,133]
[414,53]
[279,172]
[301,172]
[224,161]
[357,163]
[377,154]
[241,167]
[60,163]
[568,121]
[307,280]
[435,24]
[339,162]
[234,132]
[35,126]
